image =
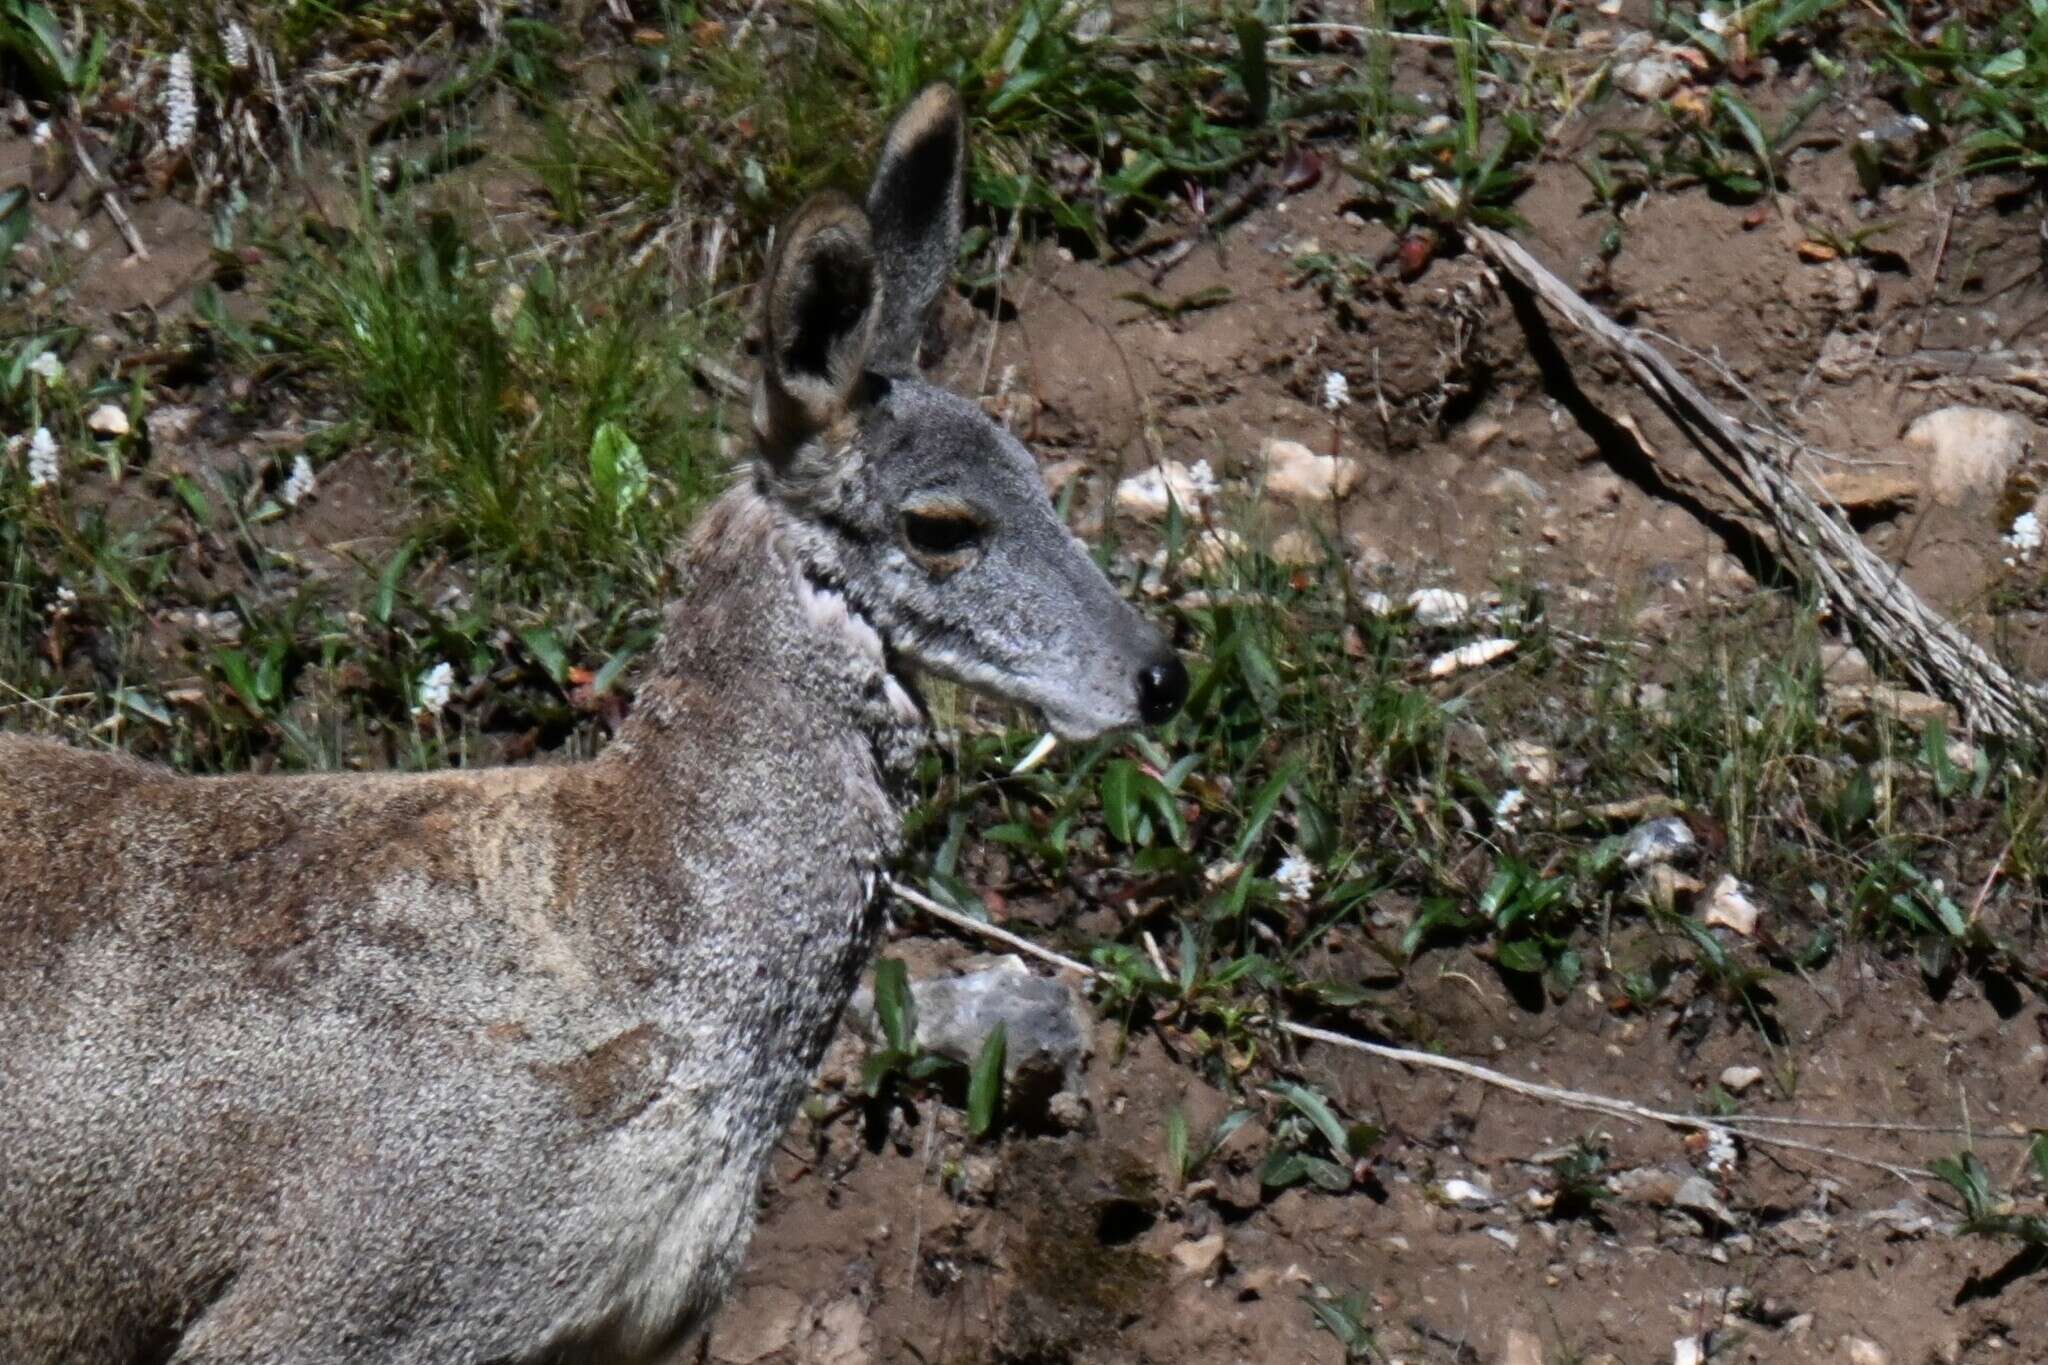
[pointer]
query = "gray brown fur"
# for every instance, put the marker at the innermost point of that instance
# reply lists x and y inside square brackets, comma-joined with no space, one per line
[485,1066]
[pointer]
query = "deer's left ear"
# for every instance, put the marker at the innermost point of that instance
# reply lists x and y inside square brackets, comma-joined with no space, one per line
[914,209]
[818,314]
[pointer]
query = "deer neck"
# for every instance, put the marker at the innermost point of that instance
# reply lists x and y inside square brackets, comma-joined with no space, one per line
[758,654]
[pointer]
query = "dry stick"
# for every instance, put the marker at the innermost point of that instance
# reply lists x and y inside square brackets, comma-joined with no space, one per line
[1570,1099]
[1813,537]
[110,198]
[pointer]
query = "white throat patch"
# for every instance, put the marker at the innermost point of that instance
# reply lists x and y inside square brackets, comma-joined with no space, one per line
[827,609]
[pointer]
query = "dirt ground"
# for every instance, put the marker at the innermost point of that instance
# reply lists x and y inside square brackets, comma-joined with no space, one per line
[1073,1248]
[917,1244]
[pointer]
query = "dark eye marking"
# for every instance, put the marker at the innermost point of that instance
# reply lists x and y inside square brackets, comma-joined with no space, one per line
[941,530]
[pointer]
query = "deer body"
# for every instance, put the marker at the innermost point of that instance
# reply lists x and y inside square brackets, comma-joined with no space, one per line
[634,965]
[486,1066]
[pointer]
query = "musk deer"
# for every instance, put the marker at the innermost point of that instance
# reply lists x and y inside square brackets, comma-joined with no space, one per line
[485,1065]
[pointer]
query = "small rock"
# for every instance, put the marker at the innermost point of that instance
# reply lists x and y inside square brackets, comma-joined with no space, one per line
[1864,1351]
[1045,1026]
[1479,433]
[1843,664]
[977,1181]
[1806,1230]
[1296,549]
[1210,548]
[1651,78]
[1059,474]
[171,426]
[108,421]
[1688,1351]
[840,1334]
[1068,1111]
[1294,473]
[1664,887]
[1656,1186]
[1439,606]
[1512,485]
[1464,1194]
[1727,577]
[1729,906]
[1529,763]
[1969,450]
[1907,1218]
[1200,1257]
[1520,1348]
[1147,495]
[1846,355]
[1737,1079]
[1696,1195]
[1668,840]
[1475,655]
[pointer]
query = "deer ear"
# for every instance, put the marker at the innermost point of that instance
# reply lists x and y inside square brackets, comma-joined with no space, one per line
[819,308]
[914,205]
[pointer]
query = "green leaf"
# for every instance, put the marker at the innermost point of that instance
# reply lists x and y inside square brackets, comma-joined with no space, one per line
[1282,1168]
[1120,808]
[14,218]
[894,1006]
[1263,806]
[1522,955]
[985,1084]
[148,707]
[270,672]
[194,498]
[617,470]
[386,600]
[234,666]
[1252,70]
[1177,1145]
[878,1067]
[2004,66]
[1225,1129]
[1316,1110]
[547,650]
[609,674]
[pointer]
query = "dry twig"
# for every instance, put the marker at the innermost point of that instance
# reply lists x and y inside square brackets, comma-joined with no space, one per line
[1549,1094]
[1812,538]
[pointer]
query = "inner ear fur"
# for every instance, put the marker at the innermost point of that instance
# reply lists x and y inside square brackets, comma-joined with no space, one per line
[914,205]
[819,313]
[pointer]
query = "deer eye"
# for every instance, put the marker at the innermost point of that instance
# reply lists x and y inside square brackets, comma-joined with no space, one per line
[941,531]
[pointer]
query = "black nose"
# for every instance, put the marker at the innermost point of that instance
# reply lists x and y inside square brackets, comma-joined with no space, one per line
[1162,687]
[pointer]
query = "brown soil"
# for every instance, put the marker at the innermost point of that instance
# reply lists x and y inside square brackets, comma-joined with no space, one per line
[1064,1248]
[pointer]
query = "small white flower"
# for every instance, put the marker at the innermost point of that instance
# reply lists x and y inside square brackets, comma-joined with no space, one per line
[66,601]
[181,105]
[1202,479]
[1713,21]
[1721,1151]
[435,686]
[2025,535]
[1296,877]
[298,485]
[1336,391]
[234,43]
[47,367]
[41,134]
[1510,805]
[42,459]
